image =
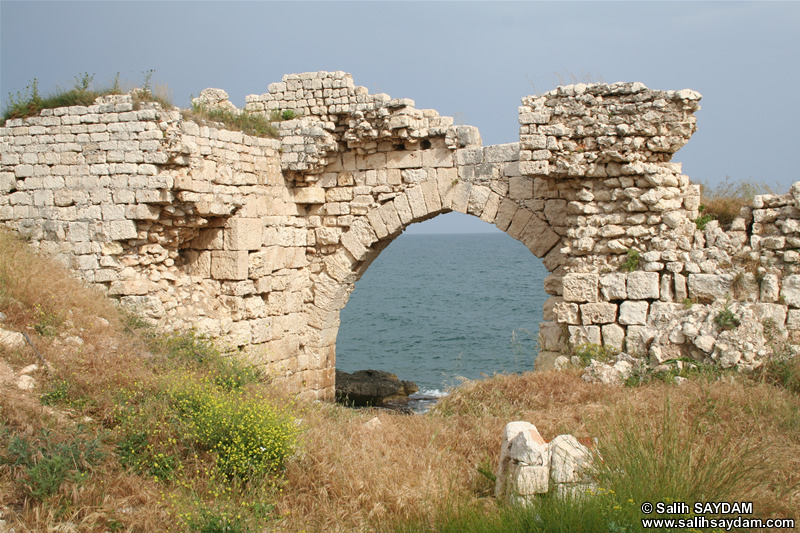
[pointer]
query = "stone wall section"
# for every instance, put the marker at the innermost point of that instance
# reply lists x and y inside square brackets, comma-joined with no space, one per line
[259,242]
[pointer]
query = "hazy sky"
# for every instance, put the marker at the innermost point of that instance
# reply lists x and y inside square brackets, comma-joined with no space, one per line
[470,60]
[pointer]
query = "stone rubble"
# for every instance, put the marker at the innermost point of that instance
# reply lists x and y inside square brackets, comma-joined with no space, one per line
[259,242]
[529,465]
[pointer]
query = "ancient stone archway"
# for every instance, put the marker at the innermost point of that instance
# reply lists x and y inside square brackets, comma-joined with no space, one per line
[258,242]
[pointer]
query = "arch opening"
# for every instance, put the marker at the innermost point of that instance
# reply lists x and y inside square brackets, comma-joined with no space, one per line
[435,307]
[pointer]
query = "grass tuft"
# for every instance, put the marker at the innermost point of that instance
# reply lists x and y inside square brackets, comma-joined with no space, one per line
[249,123]
[724,201]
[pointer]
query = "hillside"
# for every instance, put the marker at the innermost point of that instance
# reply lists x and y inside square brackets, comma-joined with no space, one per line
[124,428]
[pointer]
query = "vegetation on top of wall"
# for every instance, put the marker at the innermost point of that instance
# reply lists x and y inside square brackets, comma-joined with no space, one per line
[724,201]
[30,103]
[248,123]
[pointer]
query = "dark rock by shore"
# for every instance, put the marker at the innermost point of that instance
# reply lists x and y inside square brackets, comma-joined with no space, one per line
[371,388]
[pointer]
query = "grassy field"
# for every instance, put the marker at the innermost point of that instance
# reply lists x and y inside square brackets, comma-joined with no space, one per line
[129,429]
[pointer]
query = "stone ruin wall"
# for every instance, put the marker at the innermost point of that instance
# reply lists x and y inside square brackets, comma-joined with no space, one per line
[259,242]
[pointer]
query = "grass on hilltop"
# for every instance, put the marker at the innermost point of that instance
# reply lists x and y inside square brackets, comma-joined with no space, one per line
[133,430]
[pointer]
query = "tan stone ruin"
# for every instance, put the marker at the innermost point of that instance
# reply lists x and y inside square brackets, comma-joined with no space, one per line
[259,242]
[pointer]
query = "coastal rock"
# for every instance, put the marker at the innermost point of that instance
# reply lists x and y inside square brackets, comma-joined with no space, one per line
[371,388]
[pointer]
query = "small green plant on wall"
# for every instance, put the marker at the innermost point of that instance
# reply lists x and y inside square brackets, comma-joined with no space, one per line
[631,263]
[726,319]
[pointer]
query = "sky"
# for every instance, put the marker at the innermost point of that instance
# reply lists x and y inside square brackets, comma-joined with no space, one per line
[470,60]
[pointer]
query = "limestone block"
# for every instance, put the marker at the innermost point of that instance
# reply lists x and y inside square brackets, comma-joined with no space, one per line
[681,293]
[551,336]
[414,175]
[549,307]
[791,290]
[478,197]
[229,264]
[416,199]
[522,445]
[142,212]
[633,313]
[327,236]
[359,238]
[243,233]
[581,287]
[529,480]
[579,335]
[614,286]
[430,192]
[793,320]
[642,285]
[518,222]
[705,343]
[460,199]
[613,336]
[667,294]
[404,159]
[437,158]
[505,213]
[598,313]
[378,225]
[403,209]
[119,230]
[208,239]
[637,339]
[570,461]
[567,312]
[520,188]
[309,195]
[709,287]
[770,288]
[135,287]
[556,212]
[197,263]
[774,312]
[391,218]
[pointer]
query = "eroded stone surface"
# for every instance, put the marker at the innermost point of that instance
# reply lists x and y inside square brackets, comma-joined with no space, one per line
[259,242]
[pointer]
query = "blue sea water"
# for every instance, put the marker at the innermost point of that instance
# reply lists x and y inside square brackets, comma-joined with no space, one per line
[434,308]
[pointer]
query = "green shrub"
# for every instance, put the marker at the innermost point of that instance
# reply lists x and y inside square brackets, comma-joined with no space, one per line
[196,352]
[209,521]
[702,221]
[631,262]
[249,436]
[46,476]
[726,319]
[598,352]
[47,463]
[136,452]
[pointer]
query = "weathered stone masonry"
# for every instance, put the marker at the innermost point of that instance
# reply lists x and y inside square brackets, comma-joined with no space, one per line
[259,242]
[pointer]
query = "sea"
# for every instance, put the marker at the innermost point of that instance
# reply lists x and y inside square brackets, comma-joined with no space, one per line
[438,309]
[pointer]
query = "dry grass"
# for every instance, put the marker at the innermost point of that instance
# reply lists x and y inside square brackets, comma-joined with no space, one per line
[724,201]
[345,476]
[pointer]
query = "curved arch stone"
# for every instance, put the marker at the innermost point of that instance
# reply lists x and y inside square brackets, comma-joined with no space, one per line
[259,242]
